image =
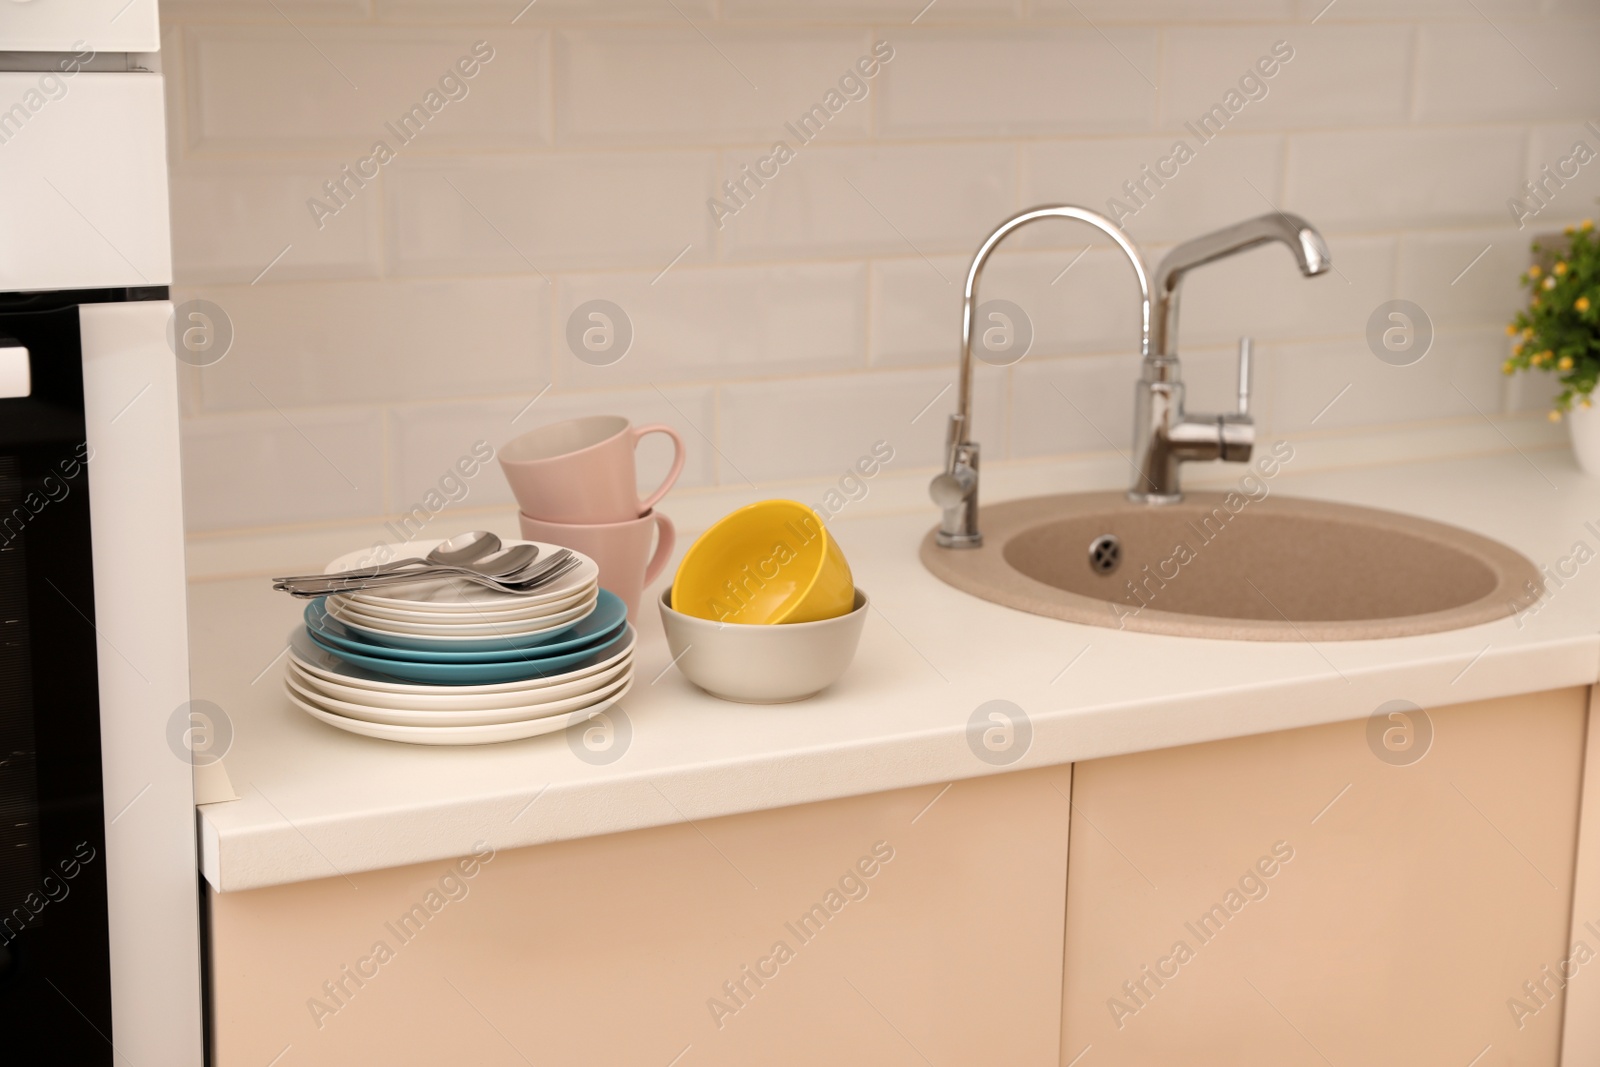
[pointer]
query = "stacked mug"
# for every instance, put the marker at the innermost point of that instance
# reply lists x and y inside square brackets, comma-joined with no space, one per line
[575,483]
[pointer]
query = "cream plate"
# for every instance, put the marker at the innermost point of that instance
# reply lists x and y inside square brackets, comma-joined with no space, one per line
[358,620]
[448,701]
[372,712]
[426,617]
[453,594]
[324,664]
[455,735]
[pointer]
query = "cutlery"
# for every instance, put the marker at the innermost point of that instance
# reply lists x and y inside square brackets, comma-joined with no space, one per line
[462,550]
[527,576]
[510,562]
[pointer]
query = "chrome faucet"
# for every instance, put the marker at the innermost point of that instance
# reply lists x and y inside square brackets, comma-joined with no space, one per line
[956,490]
[1164,435]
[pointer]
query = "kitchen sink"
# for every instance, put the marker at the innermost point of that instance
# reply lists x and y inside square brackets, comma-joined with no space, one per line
[1232,566]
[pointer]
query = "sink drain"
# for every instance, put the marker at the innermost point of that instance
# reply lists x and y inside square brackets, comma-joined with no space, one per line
[1105,553]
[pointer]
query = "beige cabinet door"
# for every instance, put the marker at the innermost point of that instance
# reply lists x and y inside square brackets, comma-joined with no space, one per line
[903,928]
[1373,893]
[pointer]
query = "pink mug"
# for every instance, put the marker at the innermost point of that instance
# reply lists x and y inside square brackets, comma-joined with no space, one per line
[582,470]
[622,549]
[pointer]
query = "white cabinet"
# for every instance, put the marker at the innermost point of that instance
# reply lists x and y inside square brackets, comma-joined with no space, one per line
[63,224]
[60,25]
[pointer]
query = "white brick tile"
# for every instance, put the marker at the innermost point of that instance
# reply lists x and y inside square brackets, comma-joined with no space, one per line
[1411,10]
[1403,178]
[893,200]
[1099,11]
[426,441]
[986,82]
[304,12]
[546,213]
[1462,370]
[1434,273]
[230,220]
[1333,76]
[1577,199]
[361,342]
[784,430]
[670,85]
[1093,307]
[892,12]
[1473,72]
[1225,180]
[1261,293]
[706,324]
[502,12]
[271,469]
[264,87]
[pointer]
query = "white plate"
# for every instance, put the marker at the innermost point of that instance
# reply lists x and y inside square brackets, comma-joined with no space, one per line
[469,617]
[446,701]
[324,664]
[375,712]
[455,735]
[358,620]
[453,594]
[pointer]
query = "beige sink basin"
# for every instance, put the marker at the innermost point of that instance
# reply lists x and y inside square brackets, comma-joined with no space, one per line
[1273,569]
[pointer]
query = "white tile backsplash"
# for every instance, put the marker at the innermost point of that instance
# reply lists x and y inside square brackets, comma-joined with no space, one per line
[342,89]
[1401,178]
[785,331]
[696,85]
[526,214]
[371,341]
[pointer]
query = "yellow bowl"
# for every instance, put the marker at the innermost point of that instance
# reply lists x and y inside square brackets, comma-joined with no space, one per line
[769,562]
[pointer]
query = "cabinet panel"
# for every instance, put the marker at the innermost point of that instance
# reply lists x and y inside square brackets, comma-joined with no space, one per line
[105,25]
[1295,898]
[616,950]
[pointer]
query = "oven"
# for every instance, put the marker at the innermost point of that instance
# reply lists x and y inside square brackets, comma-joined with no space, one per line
[100,936]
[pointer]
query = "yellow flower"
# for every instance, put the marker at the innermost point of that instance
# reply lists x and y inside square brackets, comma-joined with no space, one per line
[1586,224]
[1527,333]
[1582,303]
[1569,231]
[1516,349]
[1534,271]
[1561,267]
[1511,329]
[1508,367]
[1554,416]
[1565,363]
[1549,283]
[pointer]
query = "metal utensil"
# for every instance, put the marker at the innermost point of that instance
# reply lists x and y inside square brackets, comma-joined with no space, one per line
[529,576]
[506,565]
[462,550]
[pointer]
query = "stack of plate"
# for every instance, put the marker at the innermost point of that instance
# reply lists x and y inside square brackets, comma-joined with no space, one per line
[446,662]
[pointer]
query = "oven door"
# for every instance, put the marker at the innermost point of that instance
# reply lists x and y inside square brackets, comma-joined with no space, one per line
[99,921]
[54,934]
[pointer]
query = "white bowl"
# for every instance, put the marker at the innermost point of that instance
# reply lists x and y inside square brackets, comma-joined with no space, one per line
[763,664]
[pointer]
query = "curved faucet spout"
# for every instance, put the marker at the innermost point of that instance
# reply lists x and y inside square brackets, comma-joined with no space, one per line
[956,490]
[1310,255]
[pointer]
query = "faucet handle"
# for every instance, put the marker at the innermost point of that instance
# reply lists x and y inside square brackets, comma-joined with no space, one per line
[1246,348]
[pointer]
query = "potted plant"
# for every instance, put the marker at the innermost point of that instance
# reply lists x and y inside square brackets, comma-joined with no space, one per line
[1559,332]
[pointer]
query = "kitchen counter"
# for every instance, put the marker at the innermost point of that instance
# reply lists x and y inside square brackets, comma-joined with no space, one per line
[317,803]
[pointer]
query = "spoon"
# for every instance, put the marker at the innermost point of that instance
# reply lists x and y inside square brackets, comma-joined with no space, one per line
[459,551]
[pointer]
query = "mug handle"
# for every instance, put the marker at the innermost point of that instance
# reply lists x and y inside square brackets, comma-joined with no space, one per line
[677,463]
[666,538]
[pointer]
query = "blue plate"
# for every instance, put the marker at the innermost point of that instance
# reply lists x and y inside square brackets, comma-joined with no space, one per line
[607,617]
[486,673]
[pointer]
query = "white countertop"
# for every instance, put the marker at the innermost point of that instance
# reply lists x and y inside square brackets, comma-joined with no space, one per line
[316,802]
